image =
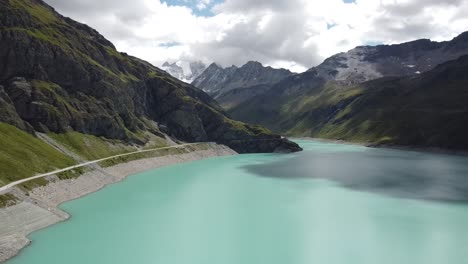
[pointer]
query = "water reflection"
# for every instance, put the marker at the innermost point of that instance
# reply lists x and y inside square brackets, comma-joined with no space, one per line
[393,172]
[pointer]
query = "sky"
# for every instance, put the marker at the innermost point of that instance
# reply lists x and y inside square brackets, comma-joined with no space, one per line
[293,34]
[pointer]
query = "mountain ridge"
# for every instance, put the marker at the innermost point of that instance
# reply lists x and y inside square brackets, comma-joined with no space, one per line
[221,82]
[296,105]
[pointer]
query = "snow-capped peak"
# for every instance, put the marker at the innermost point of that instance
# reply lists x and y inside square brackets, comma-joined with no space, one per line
[185,71]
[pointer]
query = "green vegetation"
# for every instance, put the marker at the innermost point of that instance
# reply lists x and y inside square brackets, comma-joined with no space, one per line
[72,174]
[39,12]
[144,155]
[22,155]
[153,141]
[250,129]
[30,185]
[153,74]
[91,147]
[52,92]
[153,154]
[7,200]
[330,114]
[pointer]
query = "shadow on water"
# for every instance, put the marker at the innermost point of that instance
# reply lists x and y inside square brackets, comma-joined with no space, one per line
[397,173]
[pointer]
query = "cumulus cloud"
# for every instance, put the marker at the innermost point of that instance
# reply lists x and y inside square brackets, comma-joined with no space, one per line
[296,34]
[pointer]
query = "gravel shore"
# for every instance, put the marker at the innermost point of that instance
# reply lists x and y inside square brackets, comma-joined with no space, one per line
[38,208]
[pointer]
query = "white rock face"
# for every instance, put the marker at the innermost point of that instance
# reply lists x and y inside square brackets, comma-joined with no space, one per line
[184,70]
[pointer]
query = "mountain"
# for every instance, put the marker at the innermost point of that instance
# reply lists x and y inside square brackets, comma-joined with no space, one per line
[62,78]
[184,71]
[408,94]
[366,63]
[231,86]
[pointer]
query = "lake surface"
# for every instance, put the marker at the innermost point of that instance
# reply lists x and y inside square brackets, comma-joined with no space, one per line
[333,204]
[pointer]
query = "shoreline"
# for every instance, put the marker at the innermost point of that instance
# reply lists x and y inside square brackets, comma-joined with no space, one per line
[39,208]
[394,147]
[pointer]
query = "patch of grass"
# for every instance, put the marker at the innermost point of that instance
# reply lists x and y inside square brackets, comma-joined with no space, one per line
[43,85]
[91,147]
[72,174]
[23,155]
[45,34]
[30,185]
[127,77]
[144,155]
[7,200]
[114,53]
[153,74]
[154,141]
[39,12]
[250,129]
[52,91]
[97,64]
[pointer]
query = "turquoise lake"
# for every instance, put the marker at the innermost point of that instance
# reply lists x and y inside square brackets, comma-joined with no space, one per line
[331,204]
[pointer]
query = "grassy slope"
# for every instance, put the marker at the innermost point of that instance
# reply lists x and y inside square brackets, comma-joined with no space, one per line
[428,111]
[91,147]
[22,155]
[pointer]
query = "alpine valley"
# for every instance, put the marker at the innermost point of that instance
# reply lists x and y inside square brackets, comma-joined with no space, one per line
[411,94]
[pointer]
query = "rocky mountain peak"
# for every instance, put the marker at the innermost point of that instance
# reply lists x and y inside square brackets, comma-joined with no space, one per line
[217,80]
[253,64]
[213,67]
[183,70]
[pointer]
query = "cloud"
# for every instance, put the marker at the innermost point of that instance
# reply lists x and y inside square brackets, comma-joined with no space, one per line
[248,6]
[296,34]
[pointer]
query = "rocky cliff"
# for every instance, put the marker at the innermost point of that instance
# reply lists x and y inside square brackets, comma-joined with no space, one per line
[58,75]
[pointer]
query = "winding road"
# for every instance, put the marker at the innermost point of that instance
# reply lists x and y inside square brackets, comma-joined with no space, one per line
[13,184]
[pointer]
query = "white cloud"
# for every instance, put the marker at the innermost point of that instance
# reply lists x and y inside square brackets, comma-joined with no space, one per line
[203,4]
[296,34]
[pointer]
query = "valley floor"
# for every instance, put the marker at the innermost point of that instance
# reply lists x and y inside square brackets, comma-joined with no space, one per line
[38,208]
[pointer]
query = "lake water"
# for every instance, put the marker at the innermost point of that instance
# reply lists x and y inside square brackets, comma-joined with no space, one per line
[333,204]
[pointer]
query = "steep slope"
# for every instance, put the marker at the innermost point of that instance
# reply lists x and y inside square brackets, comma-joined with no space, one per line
[426,110]
[233,85]
[184,71]
[60,76]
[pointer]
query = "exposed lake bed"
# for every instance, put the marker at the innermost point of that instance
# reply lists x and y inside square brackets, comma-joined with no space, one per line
[331,203]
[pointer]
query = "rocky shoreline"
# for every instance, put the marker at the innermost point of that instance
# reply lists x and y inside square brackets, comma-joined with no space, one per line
[38,208]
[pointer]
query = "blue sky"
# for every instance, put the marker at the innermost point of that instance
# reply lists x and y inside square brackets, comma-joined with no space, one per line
[206,11]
